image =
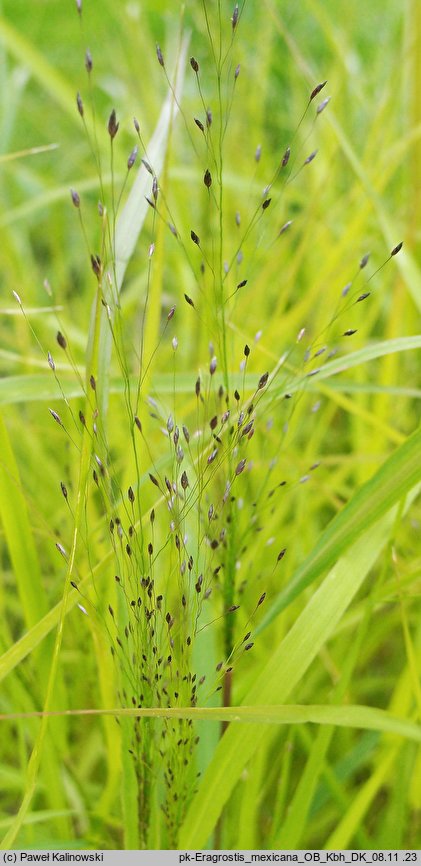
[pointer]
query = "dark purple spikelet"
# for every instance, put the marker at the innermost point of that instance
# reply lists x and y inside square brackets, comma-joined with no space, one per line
[240,467]
[56,417]
[195,238]
[138,423]
[199,124]
[281,554]
[112,125]
[364,261]
[234,19]
[237,72]
[286,156]
[75,198]
[262,381]
[266,203]
[79,103]
[194,64]
[310,158]
[188,300]
[132,157]
[363,297]
[96,265]
[317,90]
[160,56]
[92,382]
[61,340]
[242,284]
[396,249]
[208,117]
[349,332]
[63,489]
[154,480]
[88,61]
[207,179]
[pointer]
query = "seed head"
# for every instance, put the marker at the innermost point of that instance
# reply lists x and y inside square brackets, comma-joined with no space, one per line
[237,72]
[208,117]
[132,158]
[207,179]
[234,19]
[79,6]
[130,494]
[189,300]
[138,423]
[317,90]
[199,124]
[184,481]
[79,103]
[322,105]
[396,249]
[262,381]
[51,363]
[194,64]
[63,489]
[349,332]
[88,61]
[56,417]
[281,554]
[160,56]
[286,156]
[195,238]
[113,125]
[310,158]
[212,365]
[96,265]
[285,227]
[75,198]
[61,340]
[240,467]
[364,261]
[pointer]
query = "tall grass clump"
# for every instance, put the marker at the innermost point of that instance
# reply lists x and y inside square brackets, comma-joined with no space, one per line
[225,528]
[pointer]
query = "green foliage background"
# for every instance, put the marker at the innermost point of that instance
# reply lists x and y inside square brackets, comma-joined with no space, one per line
[340,630]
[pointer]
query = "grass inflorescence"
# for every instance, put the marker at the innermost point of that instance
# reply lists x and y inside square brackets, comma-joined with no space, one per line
[194,445]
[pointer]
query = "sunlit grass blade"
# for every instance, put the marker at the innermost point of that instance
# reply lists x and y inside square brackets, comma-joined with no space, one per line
[282,672]
[396,477]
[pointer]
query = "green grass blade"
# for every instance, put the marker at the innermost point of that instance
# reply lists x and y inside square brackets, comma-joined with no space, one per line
[46,75]
[396,477]
[287,665]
